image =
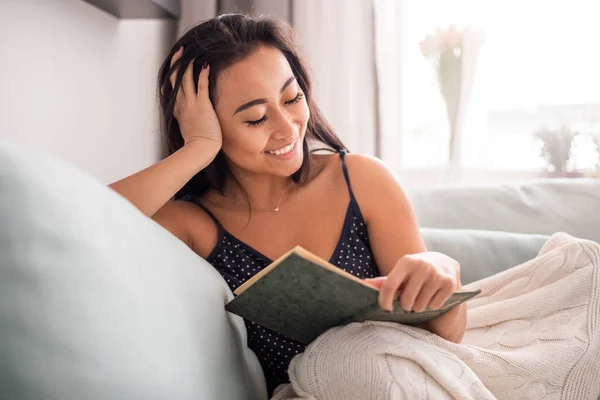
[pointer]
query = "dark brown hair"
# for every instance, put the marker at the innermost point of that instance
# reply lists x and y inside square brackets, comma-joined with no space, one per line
[221,42]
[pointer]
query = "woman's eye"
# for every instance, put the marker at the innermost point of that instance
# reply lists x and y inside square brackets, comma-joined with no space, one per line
[296,99]
[258,122]
[261,121]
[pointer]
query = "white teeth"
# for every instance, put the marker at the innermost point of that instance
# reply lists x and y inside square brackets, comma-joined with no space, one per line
[283,150]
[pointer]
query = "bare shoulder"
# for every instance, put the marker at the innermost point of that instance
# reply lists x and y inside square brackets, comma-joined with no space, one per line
[372,182]
[365,172]
[366,168]
[190,224]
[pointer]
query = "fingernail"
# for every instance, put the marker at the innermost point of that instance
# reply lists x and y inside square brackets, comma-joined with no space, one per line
[205,65]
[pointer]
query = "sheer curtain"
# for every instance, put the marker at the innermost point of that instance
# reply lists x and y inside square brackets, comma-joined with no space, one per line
[338,40]
[537,68]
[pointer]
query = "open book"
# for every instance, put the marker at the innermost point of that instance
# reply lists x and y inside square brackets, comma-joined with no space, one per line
[301,296]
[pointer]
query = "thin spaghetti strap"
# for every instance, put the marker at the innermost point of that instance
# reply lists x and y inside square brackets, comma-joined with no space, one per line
[206,210]
[343,153]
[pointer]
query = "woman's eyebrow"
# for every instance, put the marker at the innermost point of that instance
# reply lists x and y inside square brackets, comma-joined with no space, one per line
[290,80]
[255,102]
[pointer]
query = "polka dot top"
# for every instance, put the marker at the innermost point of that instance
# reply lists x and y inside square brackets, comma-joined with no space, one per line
[238,262]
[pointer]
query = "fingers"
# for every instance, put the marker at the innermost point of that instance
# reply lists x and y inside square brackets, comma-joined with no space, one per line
[390,287]
[203,81]
[429,289]
[179,98]
[423,283]
[442,295]
[174,59]
[375,282]
[187,83]
[188,80]
[412,289]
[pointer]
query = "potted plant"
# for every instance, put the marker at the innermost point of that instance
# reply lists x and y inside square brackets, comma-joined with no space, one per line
[556,146]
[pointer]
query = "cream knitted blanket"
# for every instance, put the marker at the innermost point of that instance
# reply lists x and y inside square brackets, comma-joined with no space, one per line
[533,333]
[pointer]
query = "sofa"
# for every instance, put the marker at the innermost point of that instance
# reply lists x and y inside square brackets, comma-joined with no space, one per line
[98,301]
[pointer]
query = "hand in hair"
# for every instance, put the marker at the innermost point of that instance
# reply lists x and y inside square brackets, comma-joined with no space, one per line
[193,110]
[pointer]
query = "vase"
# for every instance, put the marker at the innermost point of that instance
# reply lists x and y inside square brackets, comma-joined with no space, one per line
[456,73]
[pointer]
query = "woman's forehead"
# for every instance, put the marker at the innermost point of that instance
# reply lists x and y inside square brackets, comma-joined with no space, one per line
[259,75]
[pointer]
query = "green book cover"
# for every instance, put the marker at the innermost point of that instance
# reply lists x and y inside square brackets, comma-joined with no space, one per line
[301,296]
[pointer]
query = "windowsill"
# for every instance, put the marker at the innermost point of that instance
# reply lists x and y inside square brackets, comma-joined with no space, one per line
[427,177]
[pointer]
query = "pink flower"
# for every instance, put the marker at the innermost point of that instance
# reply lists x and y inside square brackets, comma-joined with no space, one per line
[426,47]
[453,37]
[443,40]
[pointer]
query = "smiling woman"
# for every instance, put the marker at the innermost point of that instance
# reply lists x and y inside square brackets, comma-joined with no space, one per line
[241,188]
[239,60]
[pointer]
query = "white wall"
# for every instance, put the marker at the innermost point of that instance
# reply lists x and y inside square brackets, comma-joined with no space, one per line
[81,84]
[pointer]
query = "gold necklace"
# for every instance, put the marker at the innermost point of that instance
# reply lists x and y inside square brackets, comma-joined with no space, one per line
[276,209]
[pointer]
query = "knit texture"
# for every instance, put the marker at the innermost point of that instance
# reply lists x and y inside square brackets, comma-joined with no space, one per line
[533,333]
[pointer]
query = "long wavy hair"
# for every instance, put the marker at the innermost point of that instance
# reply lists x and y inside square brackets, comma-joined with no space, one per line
[221,42]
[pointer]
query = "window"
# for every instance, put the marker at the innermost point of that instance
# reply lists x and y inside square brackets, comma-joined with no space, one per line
[538,68]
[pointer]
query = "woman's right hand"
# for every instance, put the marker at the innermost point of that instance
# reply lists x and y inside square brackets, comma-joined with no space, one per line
[194,111]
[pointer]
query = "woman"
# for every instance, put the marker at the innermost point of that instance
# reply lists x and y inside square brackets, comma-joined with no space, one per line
[241,188]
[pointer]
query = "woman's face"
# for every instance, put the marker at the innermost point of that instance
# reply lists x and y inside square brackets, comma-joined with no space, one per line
[263,114]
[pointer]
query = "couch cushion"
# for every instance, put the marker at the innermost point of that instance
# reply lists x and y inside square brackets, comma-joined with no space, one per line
[483,253]
[99,302]
[538,207]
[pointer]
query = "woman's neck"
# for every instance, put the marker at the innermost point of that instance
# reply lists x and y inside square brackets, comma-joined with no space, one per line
[261,191]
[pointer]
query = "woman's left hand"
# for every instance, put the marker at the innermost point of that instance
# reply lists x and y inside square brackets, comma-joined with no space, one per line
[425,280]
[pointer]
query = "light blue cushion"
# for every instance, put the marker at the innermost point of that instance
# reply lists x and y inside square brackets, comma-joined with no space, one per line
[99,302]
[540,207]
[483,253]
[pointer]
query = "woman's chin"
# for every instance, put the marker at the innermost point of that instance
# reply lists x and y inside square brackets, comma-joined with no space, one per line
[288,163]
[291,167]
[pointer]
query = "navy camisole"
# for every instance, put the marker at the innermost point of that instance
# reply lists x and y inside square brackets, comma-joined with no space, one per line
[238,262]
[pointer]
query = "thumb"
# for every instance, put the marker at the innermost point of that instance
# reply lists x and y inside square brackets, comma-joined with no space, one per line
[375,282]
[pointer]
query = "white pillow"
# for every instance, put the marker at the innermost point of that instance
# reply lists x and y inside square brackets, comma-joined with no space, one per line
[99,302]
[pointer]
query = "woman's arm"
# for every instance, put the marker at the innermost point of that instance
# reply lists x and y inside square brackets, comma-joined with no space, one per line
[150,189]
[153,187]
[425,278]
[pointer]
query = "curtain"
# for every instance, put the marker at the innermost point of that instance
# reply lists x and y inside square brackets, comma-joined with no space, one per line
[338,40]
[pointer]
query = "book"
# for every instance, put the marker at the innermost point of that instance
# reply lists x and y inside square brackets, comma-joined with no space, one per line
[301,296]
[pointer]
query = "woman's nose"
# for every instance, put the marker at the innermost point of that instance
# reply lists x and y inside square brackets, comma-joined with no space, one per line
[284,127]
